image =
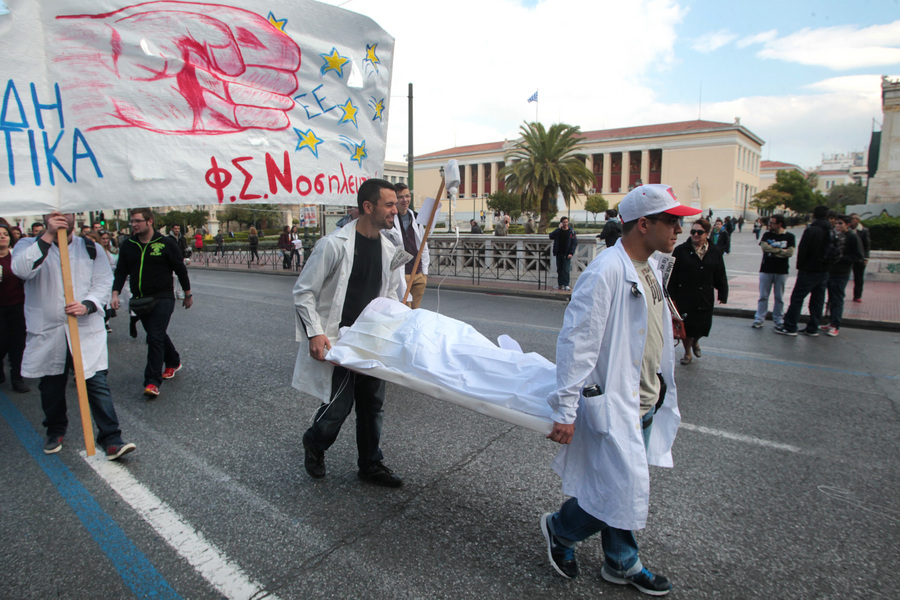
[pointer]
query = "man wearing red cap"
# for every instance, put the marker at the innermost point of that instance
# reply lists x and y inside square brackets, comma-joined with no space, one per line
[615,408]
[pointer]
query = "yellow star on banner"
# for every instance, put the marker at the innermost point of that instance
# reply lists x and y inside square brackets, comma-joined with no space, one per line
[349,113]
[371,56]
[379,109]
[334,62]
[277,23]
[308,139]
[359,153]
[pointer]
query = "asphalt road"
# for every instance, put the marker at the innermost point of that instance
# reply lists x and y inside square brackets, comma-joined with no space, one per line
[785,482]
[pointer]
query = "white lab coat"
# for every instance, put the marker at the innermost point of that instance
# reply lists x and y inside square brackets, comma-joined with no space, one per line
[602,342]
[319,301]
[45,317]
[396,236]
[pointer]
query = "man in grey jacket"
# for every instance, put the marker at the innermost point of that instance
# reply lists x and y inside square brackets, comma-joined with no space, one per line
[346,271]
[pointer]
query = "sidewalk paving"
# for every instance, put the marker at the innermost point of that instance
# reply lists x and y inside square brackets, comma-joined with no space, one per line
[879,309]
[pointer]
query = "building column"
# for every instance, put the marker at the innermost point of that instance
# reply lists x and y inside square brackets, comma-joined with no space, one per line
[607,166]
[645,166]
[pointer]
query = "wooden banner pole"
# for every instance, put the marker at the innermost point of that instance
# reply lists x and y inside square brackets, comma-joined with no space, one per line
[75,340]
[422,246]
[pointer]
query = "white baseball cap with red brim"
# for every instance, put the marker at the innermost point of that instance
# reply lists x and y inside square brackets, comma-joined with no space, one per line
[651,199]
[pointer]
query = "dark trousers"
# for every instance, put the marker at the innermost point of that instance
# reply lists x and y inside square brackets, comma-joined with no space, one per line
[349,389]
[563,266]
[53,401]
[808,284]
[160,349]
[12,337]
[837,287]
[859,270]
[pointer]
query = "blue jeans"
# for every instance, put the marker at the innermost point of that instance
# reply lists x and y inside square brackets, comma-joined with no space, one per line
[160,348]
[53,401]
[837,287]
[808,284]
[349,389]
[766,282]
[573,524]
[563,266]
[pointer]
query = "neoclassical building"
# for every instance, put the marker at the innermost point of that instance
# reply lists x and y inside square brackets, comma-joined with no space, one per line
[712,166]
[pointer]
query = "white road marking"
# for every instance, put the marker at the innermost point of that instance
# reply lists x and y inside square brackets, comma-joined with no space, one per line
[741,438]
[211,563]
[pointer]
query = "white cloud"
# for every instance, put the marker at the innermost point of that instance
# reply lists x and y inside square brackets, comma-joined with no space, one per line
[801,128]
[837,48]
[713,40]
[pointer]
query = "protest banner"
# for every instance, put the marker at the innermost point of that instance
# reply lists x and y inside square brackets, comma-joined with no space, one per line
[111,104]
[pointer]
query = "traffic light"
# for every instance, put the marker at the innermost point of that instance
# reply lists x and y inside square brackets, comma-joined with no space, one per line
[102,220]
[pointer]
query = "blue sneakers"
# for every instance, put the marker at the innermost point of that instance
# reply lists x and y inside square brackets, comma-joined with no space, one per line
[561,557]
[645,581]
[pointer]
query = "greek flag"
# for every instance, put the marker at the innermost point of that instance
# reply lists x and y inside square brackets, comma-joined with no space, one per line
[533,97]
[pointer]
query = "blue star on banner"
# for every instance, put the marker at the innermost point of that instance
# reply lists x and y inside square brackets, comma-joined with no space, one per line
[309,140]
[378,106]
[357,151]
[349,115]
[278,24]
[334,62]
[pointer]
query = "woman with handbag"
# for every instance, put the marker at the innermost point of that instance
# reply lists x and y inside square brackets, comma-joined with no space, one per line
[699,272]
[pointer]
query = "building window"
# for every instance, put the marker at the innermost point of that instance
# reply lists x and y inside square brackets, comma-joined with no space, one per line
[474,186]
[487,177]
[635,159]
[655,166]
[598,171]
[615,173]
[462,178]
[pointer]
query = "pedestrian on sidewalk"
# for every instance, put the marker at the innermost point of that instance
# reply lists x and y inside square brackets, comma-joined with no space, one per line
[698,274]
[812,276]
[253,241]
[564,244]
[346,271]
[777,248]
[859,269]
[47,355]
[284,244]
[839,273]
[615,408]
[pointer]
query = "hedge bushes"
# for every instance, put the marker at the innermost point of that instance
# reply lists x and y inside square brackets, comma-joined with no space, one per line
[884,231]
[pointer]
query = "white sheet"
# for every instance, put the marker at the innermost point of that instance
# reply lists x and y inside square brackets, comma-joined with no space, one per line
[449,360]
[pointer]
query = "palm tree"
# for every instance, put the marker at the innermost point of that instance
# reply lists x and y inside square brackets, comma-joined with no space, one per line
[543,162]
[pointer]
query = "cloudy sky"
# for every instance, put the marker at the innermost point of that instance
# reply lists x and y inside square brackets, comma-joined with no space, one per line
[805,76]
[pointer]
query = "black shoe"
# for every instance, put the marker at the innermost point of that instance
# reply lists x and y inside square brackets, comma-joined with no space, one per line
[561,557]
[314,461]
[19,385]
[645,581]
[53,444]
[810,332]
[781,330]
[379,474]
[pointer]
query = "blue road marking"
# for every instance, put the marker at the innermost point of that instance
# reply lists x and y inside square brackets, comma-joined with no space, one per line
[133,566]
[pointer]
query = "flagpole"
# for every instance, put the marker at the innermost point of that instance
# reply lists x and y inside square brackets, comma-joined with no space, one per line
[536,103]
